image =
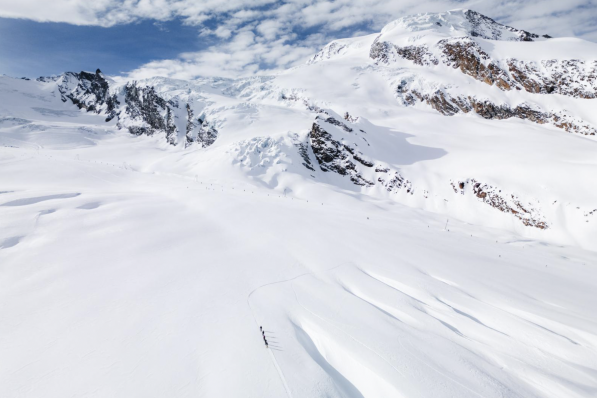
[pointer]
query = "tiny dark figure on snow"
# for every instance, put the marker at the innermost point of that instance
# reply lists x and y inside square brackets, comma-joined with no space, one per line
[260,328]
[266,346]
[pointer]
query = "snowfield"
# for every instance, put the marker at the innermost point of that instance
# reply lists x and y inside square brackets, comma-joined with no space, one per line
[388,250]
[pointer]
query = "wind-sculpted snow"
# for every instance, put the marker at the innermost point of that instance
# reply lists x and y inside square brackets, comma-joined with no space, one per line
[157,284]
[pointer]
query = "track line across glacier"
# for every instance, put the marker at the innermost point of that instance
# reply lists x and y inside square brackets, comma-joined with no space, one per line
[273,356]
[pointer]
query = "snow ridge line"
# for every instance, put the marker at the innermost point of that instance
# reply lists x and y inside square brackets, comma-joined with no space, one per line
[379,355]
[348,334]
[426,363]
[280,373]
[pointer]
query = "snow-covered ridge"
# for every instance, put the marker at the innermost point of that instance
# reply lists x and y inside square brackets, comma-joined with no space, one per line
[460,23]
[320,121]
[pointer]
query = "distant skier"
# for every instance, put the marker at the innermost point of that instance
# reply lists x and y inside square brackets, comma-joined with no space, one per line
[260,328]
[266,346]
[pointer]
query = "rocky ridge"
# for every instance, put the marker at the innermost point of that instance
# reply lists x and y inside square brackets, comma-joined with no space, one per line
[442,101]
[573,77]
[332,142]
[136,108]
[507,203]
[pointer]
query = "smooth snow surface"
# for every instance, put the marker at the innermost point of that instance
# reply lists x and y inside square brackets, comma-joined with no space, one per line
[134,268]
[120,282]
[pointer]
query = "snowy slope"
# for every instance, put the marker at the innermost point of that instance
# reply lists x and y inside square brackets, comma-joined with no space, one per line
[149,228]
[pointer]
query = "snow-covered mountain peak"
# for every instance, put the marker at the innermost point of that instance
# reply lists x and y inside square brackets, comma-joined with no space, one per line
[427,29]
[456,23]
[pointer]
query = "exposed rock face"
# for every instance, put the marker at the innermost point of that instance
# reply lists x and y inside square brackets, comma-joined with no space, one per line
[190,127]
[383,52]
[487,28]
[387,53]
[349,118]
[207,134]
[171,129]
[89,91]
[570,77]
[143,111]
[331,120]
[336,153]
[395,182]
[466,55]
[446,104]
[145,108]
[303,150]
[420,55]
[528,214]
[333,155]
[574,78]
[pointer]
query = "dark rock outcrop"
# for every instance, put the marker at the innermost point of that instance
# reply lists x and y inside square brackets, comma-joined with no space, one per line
[143,111]
[465,54]
[574,78]
[207,134]
[506,203]
[334,156]
[144,106]
[419,55]
[487,28]
[335,153]
[190,127]
[448,105]
[171,129]
[89,91]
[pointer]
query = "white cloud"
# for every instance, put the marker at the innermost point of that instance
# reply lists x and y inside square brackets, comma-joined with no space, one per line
[270,28]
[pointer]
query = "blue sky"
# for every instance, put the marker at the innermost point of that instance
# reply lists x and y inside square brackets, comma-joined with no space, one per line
[33,49]
[189,38]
